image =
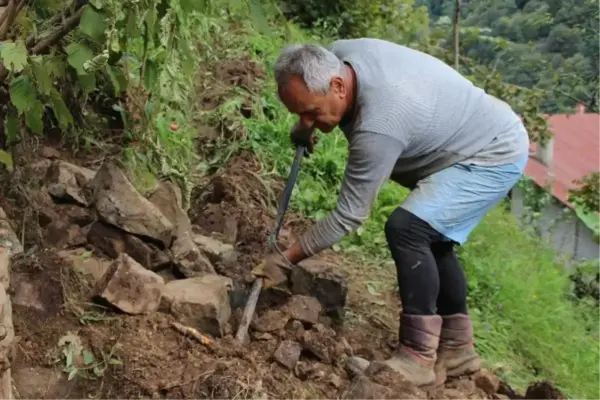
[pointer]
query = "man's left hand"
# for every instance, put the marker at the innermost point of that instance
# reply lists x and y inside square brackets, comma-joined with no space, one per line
[272,270]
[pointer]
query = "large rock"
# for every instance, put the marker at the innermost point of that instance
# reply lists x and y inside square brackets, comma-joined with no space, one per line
[119,203]
[201,302]
[303,308]
[288,353]
[112,242]
[63,235]
[130,287]
[187,256]
[68,182]
[8,237]
[216,250]
[85,263]
[4,266]
[316,278]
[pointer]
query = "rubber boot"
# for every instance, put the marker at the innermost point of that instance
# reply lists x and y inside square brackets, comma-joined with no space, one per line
[416,354]
[456,353]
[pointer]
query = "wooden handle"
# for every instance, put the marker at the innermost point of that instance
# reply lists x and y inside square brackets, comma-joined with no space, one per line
[242,333]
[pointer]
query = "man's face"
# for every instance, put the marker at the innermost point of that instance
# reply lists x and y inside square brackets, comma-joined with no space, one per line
[323,112]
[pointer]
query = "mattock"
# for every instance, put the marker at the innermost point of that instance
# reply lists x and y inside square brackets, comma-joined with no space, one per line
[242,332]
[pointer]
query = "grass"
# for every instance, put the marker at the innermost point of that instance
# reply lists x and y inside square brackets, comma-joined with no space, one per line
[527,327]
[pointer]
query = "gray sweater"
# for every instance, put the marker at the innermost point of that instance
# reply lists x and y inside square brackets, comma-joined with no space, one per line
[414,116]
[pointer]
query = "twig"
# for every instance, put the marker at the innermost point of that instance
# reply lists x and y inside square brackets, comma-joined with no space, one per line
[69,24]
[189,331]
[7,18]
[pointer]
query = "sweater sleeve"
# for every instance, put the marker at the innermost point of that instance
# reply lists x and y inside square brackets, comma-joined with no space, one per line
[371,159]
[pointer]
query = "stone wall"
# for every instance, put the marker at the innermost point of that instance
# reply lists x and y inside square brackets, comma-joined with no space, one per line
[9,247]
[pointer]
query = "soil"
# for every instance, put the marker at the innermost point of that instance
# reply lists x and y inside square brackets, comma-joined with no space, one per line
[143,355]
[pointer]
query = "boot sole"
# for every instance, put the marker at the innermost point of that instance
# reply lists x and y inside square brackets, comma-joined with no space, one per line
[466,368]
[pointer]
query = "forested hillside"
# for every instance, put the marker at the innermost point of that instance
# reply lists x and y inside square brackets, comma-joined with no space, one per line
[547,44]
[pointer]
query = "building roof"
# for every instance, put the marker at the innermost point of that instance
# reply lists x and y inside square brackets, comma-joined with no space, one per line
[576,152]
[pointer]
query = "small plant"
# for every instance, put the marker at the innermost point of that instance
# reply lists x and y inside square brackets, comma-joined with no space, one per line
[78,361]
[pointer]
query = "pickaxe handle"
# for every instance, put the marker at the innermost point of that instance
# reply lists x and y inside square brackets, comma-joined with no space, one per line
[242,332]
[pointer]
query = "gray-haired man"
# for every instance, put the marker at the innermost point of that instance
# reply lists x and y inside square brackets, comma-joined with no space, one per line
[411,118]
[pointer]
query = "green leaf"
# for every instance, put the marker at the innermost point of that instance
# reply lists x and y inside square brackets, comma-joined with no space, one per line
[6,159]
[97,371]
[117,79]
[189,5]
[72,374]
[60,109]
[78,54]
[42,74]
[258,16]
[115,361]
[88,82]
[92,23]
[11,127]
[88,357]
[14,55]
[22,93]
[34,117]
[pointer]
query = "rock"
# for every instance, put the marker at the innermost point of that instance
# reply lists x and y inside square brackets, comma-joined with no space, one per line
[86,263]
[25,293]
[297,330]
[310,370]
[6,343]
[216,250]
[63,235]
[464,385]
[4,266]
[201,302]
[312,342]
[262,336]
[112,242]
[499,396]
[288,353]
[130,287]
[315,278]
[335,381]
[42,383]
[487,381]
[119,203]
[357,365]
[49,152]
[8,237]
[187,257]
[303,308]
[364,388]
[270,321]
[543,390]
[68,182]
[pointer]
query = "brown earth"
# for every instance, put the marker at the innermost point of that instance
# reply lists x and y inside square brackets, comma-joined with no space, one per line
[61,328]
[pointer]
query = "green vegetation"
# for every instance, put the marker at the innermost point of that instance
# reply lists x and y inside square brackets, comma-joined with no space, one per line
[126,74]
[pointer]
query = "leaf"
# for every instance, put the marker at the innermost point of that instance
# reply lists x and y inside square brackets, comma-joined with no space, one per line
[72,374]
[258,16]
[92,23]
[6,159]
[88,357]
[117,79]
[11,127]
[42,75]
[115,361]
[189,5]
[78,54]
[60,109]
[97,371]
[88,82]
[22,93]
[34,117]
[14,55]
[372,290]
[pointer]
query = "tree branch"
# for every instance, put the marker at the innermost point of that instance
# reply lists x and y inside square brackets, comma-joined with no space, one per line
[45,44]
[7,18]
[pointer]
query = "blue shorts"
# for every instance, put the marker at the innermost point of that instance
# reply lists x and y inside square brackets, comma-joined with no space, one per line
[454,200]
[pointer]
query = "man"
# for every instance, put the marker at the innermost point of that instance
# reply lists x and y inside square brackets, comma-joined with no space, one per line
[410,117]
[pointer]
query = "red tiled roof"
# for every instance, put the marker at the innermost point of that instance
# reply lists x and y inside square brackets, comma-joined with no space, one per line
[576,152]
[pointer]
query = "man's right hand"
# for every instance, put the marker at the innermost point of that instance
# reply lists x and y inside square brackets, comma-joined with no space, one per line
[301,135]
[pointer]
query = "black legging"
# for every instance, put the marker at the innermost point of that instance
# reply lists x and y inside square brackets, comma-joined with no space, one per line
[430,276]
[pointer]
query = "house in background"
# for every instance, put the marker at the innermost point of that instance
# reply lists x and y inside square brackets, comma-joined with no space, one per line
[572,153]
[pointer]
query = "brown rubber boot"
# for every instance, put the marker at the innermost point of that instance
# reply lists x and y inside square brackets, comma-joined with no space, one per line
[456,354]
[416,353]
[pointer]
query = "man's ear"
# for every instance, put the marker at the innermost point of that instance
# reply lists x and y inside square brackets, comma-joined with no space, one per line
[337,86]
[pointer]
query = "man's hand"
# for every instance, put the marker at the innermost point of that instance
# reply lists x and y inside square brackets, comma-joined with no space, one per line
[301,135]
[272,270]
